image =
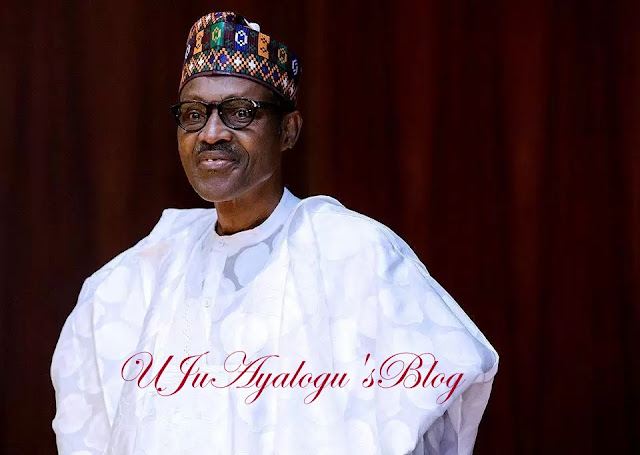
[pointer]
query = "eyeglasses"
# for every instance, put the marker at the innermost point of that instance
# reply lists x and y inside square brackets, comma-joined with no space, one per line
[236,113]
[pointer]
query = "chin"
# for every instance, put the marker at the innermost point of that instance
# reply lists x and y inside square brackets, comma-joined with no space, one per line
[211,196]
[214,194]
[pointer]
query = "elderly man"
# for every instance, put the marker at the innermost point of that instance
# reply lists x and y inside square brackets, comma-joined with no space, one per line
[270,324]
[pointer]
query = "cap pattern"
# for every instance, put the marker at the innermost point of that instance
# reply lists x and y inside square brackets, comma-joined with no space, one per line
[226,43]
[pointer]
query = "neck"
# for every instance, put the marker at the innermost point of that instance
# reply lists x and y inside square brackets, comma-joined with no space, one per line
[250,209]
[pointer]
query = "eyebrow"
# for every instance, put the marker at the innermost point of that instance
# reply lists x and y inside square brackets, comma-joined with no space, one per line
[199,98]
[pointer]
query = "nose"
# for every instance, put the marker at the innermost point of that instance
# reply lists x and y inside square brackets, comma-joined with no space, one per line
[215,130]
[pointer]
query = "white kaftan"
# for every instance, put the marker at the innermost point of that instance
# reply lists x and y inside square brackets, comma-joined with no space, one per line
[329,291]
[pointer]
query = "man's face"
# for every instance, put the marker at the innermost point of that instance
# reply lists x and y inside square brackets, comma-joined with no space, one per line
[223,164]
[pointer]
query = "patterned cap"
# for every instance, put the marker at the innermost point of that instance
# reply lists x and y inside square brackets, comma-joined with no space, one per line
[226,43]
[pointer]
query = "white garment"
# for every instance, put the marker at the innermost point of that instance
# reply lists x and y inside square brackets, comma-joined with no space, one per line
[315,282]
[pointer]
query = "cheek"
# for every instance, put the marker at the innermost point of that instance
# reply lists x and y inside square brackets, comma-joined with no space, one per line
[263,152]
[263,160]
[185,143]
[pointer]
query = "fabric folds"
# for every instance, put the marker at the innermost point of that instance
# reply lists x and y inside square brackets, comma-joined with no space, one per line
[340,294]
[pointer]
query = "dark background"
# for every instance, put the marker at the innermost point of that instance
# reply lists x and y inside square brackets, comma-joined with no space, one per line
[499,138]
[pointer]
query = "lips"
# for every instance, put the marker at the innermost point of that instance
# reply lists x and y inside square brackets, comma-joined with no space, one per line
[214,160]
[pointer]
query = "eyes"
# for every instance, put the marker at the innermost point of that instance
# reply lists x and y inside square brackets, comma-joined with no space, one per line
[235,113]
[239,113]
[194,115]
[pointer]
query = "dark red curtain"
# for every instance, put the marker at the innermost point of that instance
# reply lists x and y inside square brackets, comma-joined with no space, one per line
[499,138]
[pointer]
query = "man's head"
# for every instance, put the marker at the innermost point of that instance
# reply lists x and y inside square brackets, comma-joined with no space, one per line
[223,163]
[232,137]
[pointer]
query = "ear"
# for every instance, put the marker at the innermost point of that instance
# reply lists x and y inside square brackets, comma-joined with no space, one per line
[291,126]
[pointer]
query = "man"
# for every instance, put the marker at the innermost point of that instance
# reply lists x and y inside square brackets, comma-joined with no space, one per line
[269,324]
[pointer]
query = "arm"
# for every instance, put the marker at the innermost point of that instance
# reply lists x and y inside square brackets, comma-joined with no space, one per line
[81,422]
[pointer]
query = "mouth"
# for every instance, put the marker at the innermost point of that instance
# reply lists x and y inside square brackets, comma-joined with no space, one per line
[214,164]
[214,161]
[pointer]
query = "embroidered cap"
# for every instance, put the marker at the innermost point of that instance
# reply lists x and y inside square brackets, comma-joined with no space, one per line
[226,43]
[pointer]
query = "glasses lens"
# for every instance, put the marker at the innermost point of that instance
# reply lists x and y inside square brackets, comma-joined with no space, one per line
[237,113]
[192,116]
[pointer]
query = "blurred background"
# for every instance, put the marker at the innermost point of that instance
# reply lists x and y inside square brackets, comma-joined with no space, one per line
[500,139]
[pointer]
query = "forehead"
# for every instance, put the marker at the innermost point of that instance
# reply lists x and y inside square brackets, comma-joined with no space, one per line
[216,88]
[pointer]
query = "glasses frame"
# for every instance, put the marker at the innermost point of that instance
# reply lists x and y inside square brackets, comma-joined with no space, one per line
[209,107]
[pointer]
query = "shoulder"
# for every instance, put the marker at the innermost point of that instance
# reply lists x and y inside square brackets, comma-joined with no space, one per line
[333,226]
[175,229]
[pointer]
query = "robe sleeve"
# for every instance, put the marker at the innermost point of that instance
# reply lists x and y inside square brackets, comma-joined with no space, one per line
[81,423]
[101,332]
[456,430]
[417,315]
[379,301]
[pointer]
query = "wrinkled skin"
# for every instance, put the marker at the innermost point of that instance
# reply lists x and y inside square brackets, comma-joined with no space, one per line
[239,170]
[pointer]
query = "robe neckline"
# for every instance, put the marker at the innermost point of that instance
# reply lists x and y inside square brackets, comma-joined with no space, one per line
[259,233]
